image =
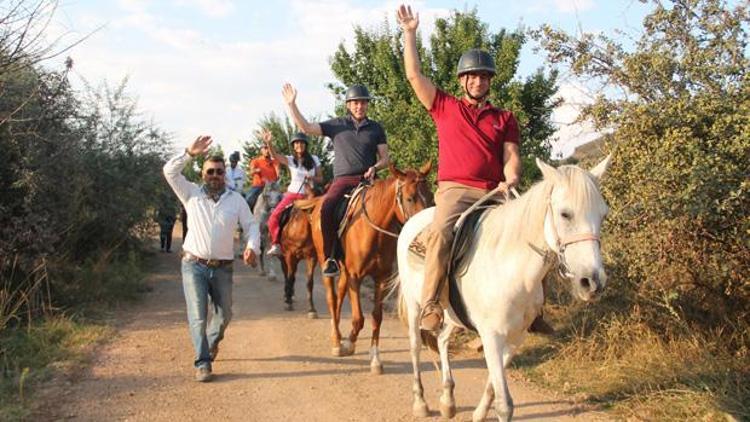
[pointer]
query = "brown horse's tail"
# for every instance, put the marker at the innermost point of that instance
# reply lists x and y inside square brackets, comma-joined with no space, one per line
[429,339]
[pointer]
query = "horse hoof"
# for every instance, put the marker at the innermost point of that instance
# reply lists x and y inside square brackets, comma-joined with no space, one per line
[376,369]
[420,410]
[271,278]
[312,315]
[336,351]
[478,416]
[347,348]
[288,307]
[262,273]
[447,411]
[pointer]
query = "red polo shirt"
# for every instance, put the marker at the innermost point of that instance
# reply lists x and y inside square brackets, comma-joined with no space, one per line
[470,141]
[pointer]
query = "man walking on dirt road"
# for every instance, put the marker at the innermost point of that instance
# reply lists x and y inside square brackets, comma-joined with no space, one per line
[208,250]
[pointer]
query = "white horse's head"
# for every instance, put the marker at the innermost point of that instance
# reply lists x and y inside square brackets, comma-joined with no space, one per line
[272,194]
[573,222]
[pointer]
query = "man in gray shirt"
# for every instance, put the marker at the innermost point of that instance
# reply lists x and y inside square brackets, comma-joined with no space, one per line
[360,150]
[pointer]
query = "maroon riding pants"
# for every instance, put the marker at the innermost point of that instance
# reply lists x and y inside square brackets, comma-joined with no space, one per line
[328,224]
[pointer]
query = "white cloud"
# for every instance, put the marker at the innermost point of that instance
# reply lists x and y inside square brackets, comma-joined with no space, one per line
[193,83]
[573,6]
[561,6]
[212,8]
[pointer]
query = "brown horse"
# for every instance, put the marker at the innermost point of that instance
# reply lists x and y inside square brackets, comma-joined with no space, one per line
[297,245]
[369,245]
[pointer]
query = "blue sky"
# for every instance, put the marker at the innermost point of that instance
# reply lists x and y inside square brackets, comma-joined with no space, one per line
[216,66]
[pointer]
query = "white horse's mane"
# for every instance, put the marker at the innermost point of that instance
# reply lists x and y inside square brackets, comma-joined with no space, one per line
[527,212]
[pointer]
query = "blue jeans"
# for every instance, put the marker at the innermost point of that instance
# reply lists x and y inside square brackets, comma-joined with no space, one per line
[199,283]
[252,196]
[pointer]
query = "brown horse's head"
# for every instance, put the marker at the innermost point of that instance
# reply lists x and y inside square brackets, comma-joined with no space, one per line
[413,193]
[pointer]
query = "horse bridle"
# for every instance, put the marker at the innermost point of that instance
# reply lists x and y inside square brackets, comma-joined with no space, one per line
[399,205]
[562,243]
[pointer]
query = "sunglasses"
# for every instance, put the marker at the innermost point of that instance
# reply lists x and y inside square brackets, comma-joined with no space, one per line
[218,172]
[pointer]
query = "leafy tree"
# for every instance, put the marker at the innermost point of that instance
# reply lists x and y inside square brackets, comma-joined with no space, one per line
[679,229]
[377,62]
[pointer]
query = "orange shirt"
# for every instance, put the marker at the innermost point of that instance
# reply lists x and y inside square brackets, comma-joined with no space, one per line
[267,168]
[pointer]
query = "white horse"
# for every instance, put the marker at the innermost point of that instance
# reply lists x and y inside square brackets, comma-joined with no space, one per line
[557,220]
[267,201]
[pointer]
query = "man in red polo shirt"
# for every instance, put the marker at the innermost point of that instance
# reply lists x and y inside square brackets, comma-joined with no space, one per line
[478,151]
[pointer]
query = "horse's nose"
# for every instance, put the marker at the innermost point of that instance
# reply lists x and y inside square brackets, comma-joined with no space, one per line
[592,284]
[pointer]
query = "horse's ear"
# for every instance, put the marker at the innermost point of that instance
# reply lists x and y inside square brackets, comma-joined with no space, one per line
[550,173]
[396,172]
[426,168]
[601,168]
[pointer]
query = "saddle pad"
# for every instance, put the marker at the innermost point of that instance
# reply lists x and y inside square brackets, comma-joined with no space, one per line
[344,210]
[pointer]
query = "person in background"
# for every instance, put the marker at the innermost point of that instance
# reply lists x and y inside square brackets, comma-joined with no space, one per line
[235,175]
[304,168]
[263,170]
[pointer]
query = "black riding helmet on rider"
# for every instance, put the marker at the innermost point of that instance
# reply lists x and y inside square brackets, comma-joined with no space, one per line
[475,61]
[357,92]
[299,137]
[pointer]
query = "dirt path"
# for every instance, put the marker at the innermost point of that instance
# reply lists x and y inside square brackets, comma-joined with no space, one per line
[273,365]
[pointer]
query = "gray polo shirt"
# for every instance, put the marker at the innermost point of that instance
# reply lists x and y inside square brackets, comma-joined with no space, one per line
[355,146]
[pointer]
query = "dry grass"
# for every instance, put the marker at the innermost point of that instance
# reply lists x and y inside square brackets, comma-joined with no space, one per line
[625,367]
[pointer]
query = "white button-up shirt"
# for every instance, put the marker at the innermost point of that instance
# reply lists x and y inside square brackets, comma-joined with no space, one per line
[211,225]
[235,178]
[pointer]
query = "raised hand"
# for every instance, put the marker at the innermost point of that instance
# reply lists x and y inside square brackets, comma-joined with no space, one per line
[266,136]
[408,20]
[200,146]
[289,93]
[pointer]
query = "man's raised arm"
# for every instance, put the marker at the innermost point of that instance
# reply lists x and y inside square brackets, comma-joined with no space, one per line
[422,85]
[290,97]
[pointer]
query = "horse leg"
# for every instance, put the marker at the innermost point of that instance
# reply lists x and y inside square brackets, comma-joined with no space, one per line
[484,404]
[494,351]
[332,301]
[376,367]
[348,346]
[419,407]
[289,266]
[311,312]
[447,400]
[261,260]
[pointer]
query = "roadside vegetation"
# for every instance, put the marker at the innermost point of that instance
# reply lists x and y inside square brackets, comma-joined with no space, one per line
[79,179]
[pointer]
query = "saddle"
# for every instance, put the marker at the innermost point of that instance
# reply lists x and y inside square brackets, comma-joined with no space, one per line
[343,213]
[463,236]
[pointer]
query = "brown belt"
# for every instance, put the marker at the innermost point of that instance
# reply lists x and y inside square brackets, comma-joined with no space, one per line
[211,263]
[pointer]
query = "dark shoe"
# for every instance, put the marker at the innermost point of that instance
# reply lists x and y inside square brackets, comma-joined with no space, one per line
[540,326]
[431,318]
[203,374]
[331,268]
[214,351]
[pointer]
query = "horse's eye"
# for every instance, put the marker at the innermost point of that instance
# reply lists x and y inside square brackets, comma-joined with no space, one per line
[409,199]
[566,215]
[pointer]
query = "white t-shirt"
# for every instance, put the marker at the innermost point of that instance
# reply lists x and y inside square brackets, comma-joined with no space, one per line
[299,173]
[235,178]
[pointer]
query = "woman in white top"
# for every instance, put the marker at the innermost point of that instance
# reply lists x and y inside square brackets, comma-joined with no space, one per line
[304,169]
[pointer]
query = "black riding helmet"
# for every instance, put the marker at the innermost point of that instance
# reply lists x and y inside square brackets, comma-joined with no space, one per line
[357,92]
[299,136]
[235,156]
[476,60]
